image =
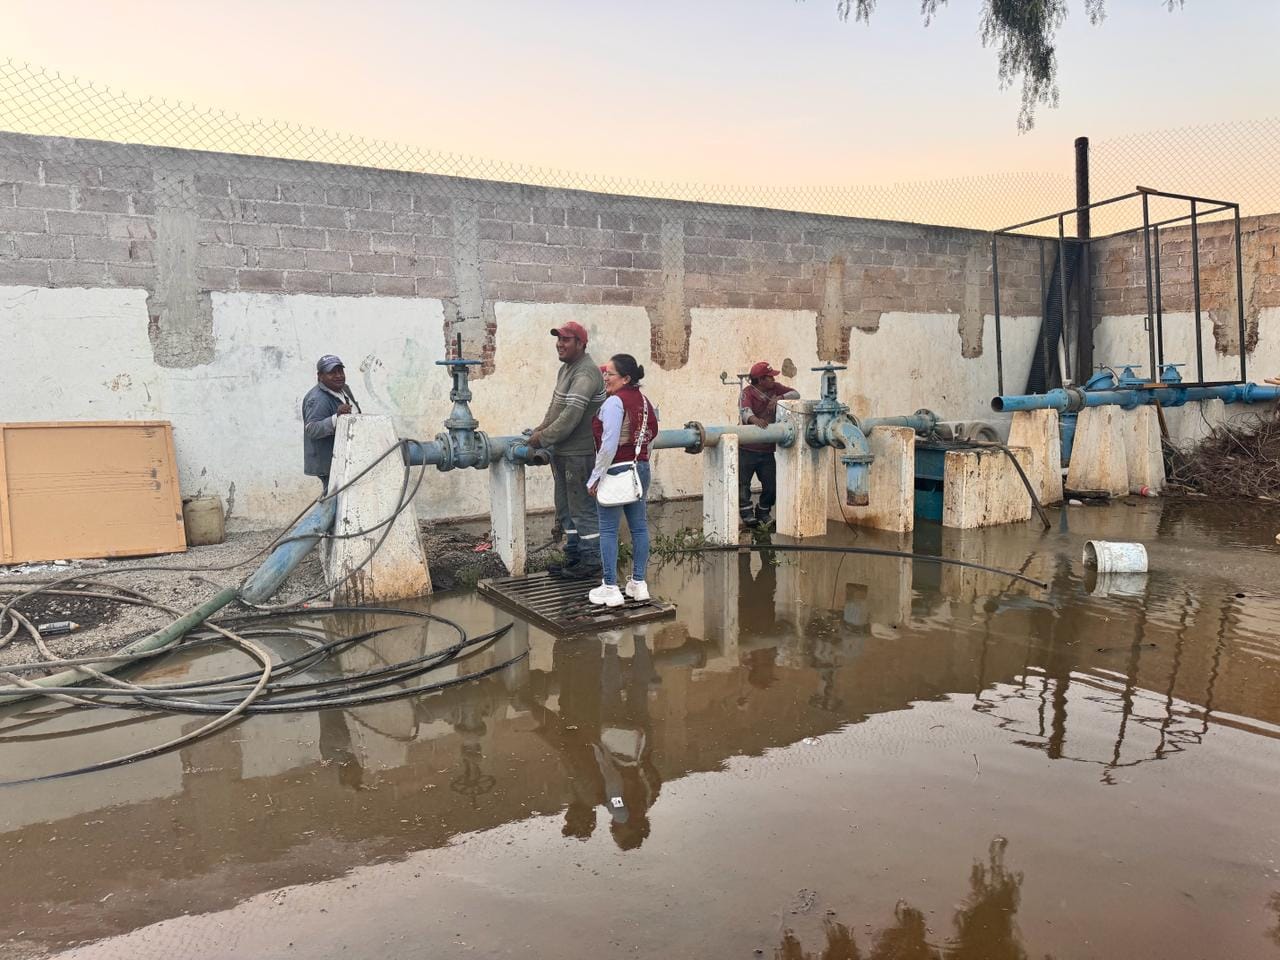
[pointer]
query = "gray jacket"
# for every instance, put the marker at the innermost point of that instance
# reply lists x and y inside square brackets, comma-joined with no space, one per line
[319,421]
[577,396]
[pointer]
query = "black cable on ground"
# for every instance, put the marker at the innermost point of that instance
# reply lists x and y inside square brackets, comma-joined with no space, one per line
[257,699]
[45,586]
[169,695]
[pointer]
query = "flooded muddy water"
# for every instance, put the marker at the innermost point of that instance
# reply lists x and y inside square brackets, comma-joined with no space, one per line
[836,756]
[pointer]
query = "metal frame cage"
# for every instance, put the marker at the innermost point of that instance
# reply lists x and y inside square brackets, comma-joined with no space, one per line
[1199,208]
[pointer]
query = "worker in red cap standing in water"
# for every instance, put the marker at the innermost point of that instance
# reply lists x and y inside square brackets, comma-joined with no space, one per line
[759,407]
[566,432]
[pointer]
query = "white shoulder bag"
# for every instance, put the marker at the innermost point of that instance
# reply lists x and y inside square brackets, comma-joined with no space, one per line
[623,487]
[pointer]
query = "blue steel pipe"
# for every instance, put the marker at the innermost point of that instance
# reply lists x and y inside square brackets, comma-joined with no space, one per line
[1073,399]
[297,543]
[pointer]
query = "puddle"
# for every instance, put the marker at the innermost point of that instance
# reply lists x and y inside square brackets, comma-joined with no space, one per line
[821,756]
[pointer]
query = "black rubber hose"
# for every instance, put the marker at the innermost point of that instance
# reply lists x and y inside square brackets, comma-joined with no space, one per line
[376,679]
[160,694]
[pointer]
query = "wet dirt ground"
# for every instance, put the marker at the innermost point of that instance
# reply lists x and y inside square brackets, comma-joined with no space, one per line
[820,756]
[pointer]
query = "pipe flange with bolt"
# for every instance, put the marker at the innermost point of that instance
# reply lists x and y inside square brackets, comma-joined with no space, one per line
[701,442]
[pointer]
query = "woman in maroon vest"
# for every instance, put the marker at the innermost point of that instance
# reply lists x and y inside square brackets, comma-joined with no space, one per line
[625,415]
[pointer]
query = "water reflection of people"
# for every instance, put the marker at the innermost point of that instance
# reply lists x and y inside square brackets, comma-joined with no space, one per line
[604,736]
[757,614]
[626,743]
[574,729]
[757,589]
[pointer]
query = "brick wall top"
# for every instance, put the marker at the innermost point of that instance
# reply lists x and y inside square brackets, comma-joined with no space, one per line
[1119,268]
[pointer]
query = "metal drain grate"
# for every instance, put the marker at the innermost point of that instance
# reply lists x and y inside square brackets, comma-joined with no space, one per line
[561,606]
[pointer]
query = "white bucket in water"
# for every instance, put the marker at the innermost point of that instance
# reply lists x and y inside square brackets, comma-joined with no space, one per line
[1112,557]
[1118,585]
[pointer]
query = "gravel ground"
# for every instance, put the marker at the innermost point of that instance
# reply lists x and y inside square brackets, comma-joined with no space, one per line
[178,580]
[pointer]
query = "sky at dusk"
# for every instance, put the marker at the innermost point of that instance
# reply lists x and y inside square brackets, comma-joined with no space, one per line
[716,91]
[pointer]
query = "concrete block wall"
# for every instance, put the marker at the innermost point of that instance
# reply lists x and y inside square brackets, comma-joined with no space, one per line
[197,286]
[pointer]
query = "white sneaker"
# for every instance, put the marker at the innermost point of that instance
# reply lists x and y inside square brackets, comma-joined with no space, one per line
[637,590]
[608,595]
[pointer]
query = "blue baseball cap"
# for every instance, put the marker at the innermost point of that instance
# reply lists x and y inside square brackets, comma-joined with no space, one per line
[328,362]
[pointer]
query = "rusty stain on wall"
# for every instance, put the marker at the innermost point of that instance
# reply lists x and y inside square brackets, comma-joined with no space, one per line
[180,312]
[1120,277]
[670,322]
[469,312]
[843,307]
[971,314]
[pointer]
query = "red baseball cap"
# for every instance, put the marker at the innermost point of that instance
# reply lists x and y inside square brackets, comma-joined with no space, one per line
[762,369]
[571,329]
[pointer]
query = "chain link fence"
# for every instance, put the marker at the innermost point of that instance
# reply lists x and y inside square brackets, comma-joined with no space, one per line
[35,101]
[1237,161]
[95,185]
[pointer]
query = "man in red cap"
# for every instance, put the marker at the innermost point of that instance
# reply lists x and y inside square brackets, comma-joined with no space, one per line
[759,406]
[566,431]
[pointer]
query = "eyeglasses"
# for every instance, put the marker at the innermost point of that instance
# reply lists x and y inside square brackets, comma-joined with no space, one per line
[609,373]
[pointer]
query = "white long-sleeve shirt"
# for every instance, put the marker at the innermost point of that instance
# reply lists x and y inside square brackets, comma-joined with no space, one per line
[610,415]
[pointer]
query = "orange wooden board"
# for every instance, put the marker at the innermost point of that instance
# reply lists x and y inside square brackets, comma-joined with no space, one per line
[76,489]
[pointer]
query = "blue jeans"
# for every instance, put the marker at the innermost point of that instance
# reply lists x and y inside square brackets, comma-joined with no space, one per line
[637,515]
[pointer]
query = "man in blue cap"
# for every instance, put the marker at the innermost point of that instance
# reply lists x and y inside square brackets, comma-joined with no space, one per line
[324,403]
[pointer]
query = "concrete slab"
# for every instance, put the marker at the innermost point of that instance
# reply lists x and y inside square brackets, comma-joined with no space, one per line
[892,482]
[507,513]
[1099,461]
[1039,431]
[802,477]
[981,488]
[1144,454]
[720,516]
[398,568]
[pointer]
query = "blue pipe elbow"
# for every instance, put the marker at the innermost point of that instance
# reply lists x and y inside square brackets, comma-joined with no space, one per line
[856,457]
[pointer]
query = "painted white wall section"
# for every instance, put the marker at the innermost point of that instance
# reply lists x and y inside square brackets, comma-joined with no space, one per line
[1122,339]
[915,360]
[85,353]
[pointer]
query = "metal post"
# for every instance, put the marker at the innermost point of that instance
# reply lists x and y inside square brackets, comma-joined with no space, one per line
[1062,287]
[1153,374]
[1044,334]
[1084,337]
[995,289]
[1195,290]
[1240,293]
[1159,306]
